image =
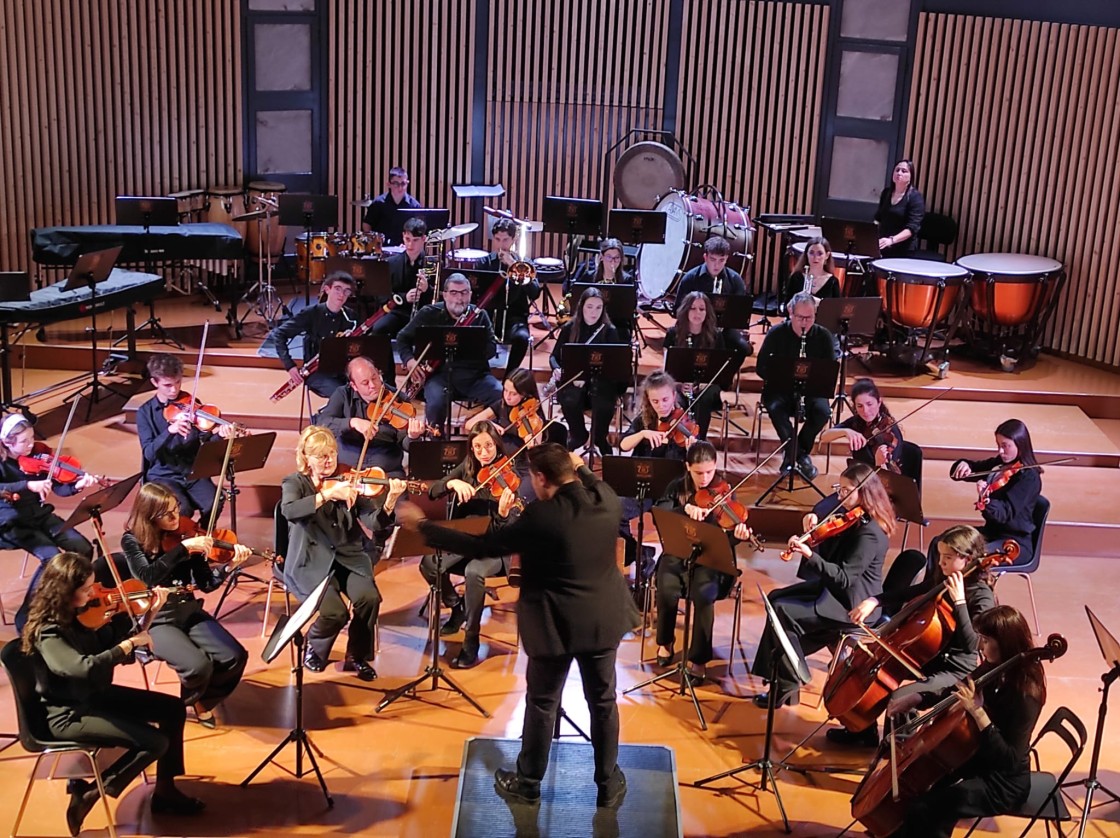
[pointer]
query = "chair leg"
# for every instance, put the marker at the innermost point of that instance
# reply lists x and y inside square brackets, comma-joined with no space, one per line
[26,794]
[1034,608]
[23,567]
[267,605]
[91,755]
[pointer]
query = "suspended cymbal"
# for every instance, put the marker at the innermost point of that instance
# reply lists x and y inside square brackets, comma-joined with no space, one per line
[365,202]
[449,233]
[531,226]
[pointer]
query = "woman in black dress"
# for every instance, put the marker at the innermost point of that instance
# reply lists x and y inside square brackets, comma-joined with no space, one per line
[901,211]
[815,273]
[696,329]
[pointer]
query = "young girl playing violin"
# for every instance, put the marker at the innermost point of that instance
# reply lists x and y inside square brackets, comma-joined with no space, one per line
[696,329]
[1004,711]
[1007,490]
[27,521]
[846,569]
[463,481]
[169,448]
[74,667]
[208,659]
[707,585]
[871,436]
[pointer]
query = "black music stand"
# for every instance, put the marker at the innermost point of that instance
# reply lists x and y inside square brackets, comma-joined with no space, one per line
[620,302]
[90,269]
[844,316]
[451,344]
[698,366]
[733,311]
[290,629]
[369,273]
[149,212]
[249,454]
[857,239]
[608,363]
[572,216]
[767,781]
[335,353]
[433,459]
[435,218]
[411,543]
[311,212]
[93,505]
[704,544]
[812,378]
[637,226]
[906,499]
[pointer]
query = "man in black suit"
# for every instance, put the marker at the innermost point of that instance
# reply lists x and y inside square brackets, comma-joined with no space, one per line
[714,277]
[574,605]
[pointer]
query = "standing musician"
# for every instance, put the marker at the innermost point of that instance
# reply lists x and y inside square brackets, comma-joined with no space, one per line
[74,678]
[516,323]
[901,211]
[589,324]
[463,481]
[872,434]
[798,336]
[696,329]
[847,569]
[346,416]
[169,448]
[1008,496]
[1005,711]
[814,273]
[468,378]
[326,539]
[27,521]
[385,214]
[573,605]
[970,595]
[208,659]
[322,320]
[714,277]
[708,585]
[407,282]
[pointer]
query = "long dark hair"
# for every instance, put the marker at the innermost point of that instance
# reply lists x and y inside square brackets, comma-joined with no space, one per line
[53,601]
[803,260]
[577,315]
[471,464]
[867,387]
[969,542]
[707,337]
[1016,431]
[1008,628]
[524,383]
[873,496]
[604,246]
[701,451]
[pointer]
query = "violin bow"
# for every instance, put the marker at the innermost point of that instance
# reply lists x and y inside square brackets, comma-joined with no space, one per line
[513,456]
[62,439]
[726,496]
[220,484]
[696,398]
[198,367]
[374,423]
[1056,462]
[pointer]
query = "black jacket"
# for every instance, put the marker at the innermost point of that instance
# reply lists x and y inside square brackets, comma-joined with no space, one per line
[28,512]
[164,455]
[698,279]
[671,501]
[402,278]
[74,664]
[907,214]
[314,323]
[436,315]
[175,567]
[1010,510]
[386,448]
[565,336]
[783,342]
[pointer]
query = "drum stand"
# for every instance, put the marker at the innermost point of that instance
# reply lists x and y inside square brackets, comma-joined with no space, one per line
[268,303]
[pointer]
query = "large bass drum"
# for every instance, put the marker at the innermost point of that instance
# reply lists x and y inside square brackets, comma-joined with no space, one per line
[919,296]
[690,220]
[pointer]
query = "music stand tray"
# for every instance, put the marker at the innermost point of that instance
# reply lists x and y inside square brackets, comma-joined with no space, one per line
[733,311]
[860,238]
[433,459]
[336,352]
[435,218]
[310,212]
[143,211]
[903,492]
[102,501]
[609,361]
[637,226]
[372,273]
[699,365]
[850,315]
[92,268]
[249,454]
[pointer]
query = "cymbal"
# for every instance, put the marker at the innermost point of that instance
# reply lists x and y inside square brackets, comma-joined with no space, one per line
[365,202]
[531,226]
[257,214]
[449,233]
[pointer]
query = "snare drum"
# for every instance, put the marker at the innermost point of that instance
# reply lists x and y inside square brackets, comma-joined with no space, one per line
[690,221]
[223,203]
[189,203]
[311,261]
[550,269]
[917,293]
[466,259]
[1011,289]
[265,195]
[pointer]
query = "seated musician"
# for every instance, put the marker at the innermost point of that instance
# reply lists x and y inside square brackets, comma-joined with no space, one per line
[970,596]
[169,448]
[590,323]
[463,481]
[1006,488]
[714,277]
[325,539]
[708,585]
[407,282]
[207,658]
[814,273]
[1005,710]
[901,212]
[845,570]
[385,214]
[511,319]
[74,676]
[606,270]
[346,415]
[466,379]
[798,336]
[314,323]
[696,329]
[864,431]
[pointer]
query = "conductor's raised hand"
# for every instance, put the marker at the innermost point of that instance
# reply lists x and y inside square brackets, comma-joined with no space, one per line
[506,502]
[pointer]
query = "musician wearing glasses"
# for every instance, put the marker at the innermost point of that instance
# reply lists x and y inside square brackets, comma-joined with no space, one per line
[322,320]
[407,281]
[511,316]
[606,270]
[714,277]
[385,215]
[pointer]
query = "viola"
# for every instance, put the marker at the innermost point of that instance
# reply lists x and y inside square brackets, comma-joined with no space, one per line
[503,475]
[679,426]
[831,526]
[526,419]
[727,511]
[392,410]
[224,541]
[205,417]
[66,470]
[132,597]
[372,481]
[1001,479]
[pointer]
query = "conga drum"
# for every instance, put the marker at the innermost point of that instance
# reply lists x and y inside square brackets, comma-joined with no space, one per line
[189,204]
[265,195]
[918,295]
[223,203]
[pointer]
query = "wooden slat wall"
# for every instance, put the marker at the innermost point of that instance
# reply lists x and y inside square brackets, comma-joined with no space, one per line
[1015,129]
[108,97]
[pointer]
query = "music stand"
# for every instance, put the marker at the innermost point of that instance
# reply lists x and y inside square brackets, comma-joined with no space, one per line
[637,226]
[433,459]
[906,499]
[733,311]
[90,269]
[249,453]
[369,272]
[411,543]
[146,212]
[572,216]
[767,781]
[436,219]
[451,344]
[845,316]
[812,378]
[856,238]
[606,362]
[335,353]
[704,544]
[103,500]
[310,212]
[290,629]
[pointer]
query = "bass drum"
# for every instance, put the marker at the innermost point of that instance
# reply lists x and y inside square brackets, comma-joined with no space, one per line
[690,220]
[917,293]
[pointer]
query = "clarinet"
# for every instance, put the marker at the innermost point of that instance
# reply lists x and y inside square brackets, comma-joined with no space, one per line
[801,354]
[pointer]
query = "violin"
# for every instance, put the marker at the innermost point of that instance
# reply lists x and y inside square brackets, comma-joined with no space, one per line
[67,470]
[132,597]
[1001,479]
[678,426]
[502,474]
[882,432]
[372,481]
[205,417]
[831,526]
[389,409]
[526,419]
[728,513]
[224,541]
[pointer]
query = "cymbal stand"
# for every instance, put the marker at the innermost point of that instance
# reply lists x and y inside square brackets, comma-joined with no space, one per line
[267,301]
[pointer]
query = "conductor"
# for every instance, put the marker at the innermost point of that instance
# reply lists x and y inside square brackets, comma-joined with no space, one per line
[574,605]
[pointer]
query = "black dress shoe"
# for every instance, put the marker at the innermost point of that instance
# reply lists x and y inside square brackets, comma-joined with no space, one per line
[665,660]
[611,792]
[806,467]
[176,804]
[512,786]
[793,697]
[82,802]
[454,621]
[865,739]
[364,670]
[467,657]
[313,662]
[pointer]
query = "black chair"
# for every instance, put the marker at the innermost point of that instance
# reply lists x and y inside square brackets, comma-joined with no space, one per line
[1041,513]
[280,545]
[35,735]
[910,464]
[1044,802]
[937,232]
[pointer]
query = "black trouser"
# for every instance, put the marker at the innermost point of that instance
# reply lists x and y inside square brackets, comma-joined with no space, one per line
[573,400]
[517,337]
[935,814]
[544,682]
[671,578]
[808,633]
[118,717]
[193,495]
[364,598]
[44,537]
[208,659]
[475,572]
[468,383]
[704,406]
[389,324]
[782,410]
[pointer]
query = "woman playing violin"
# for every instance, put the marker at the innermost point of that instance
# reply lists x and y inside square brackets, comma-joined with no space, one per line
[846,570]
[463,481]
[27,521]
[208,659]
[970,596]
[872,435]
[696,329]
[997,778]
[74,673]
[707,585]
[1007,490]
